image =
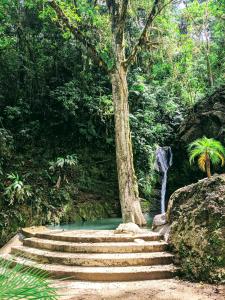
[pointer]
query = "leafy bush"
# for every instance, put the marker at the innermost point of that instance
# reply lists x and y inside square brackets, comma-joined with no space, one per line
[17,191]
[64,167]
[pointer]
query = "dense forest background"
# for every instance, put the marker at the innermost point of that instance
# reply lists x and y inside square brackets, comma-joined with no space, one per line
[57,152]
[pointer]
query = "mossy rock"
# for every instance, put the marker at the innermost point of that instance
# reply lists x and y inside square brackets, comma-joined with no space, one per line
[197,216]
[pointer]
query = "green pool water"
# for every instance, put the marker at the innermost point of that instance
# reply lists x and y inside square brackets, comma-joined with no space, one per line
[102,224]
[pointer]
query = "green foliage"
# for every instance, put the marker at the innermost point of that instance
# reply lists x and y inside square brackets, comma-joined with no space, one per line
[206,149]
[6,143]
[17,282]
[64,166]
[55,100]
[149,105]
[17,191]
[6,147]
[61,163]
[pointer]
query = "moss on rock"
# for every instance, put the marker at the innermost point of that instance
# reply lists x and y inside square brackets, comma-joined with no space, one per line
[197,216]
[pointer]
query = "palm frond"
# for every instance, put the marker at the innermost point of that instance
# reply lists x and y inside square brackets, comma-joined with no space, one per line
[194,153]
[199,143]
[18,282]
[202,162]
[217,146]
[217,158]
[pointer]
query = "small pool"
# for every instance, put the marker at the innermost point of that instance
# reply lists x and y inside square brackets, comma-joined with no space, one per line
[102,224]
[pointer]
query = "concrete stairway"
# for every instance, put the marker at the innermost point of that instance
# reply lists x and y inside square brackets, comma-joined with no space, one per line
[95,255]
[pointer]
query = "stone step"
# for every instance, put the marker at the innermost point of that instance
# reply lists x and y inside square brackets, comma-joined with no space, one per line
[99,273]
[107,247]
[96,236]
[93,260]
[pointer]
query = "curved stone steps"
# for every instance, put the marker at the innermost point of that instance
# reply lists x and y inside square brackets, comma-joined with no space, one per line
[106,247]
[92,259]
[94,255]
[99,273]
[86,236]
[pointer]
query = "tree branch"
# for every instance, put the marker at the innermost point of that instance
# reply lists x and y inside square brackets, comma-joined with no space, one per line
[155,11]
[78,35]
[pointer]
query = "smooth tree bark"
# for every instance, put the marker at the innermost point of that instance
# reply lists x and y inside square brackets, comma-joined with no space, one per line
[128,186]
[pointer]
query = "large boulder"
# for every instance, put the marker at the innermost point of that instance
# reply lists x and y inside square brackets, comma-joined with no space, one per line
[159,220]
[160,225]
[197,216]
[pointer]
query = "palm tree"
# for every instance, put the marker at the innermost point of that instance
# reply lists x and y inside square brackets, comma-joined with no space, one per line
[208,151]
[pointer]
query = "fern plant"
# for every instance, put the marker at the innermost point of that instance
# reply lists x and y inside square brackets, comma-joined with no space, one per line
[24,283]
[208,151]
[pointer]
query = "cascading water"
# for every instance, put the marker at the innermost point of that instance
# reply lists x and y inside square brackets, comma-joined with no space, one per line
[164,160]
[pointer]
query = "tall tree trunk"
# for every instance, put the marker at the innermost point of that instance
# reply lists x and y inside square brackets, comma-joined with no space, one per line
[128,187]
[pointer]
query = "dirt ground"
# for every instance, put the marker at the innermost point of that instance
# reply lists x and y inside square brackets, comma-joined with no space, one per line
[170,289]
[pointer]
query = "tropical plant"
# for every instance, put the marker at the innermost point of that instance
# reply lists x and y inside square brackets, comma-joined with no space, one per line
[24,283]
[17,190]
[208,151]
[63,166]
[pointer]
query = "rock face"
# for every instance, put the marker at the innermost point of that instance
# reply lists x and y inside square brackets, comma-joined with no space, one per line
[197,217]
[206,118]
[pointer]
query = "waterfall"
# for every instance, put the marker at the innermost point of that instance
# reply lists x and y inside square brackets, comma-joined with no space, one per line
[164,160]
